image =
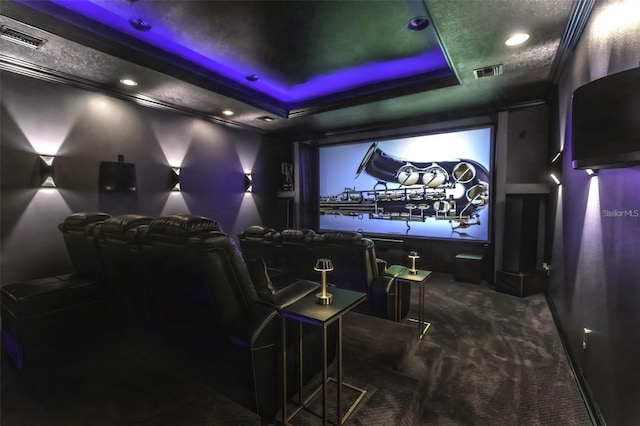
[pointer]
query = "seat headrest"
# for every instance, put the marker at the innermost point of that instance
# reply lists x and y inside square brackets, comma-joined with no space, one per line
[272,236]
[297,234]
[342,236]
[78,221]
[257,231]
[182,226]
[123,227]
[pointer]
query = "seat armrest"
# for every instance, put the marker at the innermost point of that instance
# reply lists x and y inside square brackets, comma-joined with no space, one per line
[291,293]
[381,297]
[381,264]
[259,327]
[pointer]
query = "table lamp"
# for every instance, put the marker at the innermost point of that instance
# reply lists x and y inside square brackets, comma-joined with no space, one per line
[413,256]
[324,266]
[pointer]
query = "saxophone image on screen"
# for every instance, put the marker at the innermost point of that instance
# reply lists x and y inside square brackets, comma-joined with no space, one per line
[453,190]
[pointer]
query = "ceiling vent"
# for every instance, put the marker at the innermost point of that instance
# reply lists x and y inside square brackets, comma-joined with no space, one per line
[20,37]
[489,71]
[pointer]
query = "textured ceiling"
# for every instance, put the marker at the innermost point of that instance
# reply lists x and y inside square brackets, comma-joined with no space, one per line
[348,55]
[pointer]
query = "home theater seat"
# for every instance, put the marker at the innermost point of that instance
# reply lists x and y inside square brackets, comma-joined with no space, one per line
[38,312]
[282,257]
[204,302]
[119,240]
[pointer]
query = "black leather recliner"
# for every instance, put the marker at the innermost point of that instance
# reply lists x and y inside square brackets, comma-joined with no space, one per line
[255,243]
[119,239]
[296,252]
[37,311]
[354,259]
[208,307]
[356,266]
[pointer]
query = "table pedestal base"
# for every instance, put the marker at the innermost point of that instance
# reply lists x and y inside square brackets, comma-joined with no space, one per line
[317,391]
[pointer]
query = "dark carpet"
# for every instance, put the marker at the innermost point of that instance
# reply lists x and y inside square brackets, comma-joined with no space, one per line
[487,359]
[114,381]
[502,360]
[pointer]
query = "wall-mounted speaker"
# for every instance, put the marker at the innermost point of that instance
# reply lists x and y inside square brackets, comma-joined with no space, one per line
[117,176]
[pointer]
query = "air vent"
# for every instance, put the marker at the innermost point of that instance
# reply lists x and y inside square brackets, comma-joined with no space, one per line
[488,71]
[20,37]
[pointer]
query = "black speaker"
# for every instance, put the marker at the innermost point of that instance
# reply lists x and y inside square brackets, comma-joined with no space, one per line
[521,285]
[521,228]
[117,176]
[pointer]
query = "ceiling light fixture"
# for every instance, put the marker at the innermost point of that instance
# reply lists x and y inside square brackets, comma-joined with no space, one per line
[252,77]
[128,82]
[140,24]
[418,23]
[517,39]
[266,118]
[228,112]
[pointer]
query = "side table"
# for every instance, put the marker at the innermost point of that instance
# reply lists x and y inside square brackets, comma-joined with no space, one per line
[403,273]
[306,310]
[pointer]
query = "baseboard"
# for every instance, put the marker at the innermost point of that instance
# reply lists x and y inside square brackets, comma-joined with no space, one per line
[583,386]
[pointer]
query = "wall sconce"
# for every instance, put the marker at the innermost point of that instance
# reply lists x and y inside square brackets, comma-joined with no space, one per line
[591,172]
[46,171]
[324,266]
[248,182]
[175,179]
[555,170]
[413,256]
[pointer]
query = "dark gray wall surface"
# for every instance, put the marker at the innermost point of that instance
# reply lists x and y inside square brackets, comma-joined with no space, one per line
[595,275]
[527,156]
[82,129]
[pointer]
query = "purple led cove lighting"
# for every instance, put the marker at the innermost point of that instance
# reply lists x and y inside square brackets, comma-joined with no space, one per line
[116,15]
[13,348]
[373,72]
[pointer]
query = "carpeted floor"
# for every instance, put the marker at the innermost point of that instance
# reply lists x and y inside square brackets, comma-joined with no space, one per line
[117,383]
[487,359]
[502,360]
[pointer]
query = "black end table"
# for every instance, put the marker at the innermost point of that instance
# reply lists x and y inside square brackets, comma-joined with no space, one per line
[306,310]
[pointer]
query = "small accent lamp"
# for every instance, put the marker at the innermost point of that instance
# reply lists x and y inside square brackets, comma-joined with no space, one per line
[324,266]
[46,171]
[591,172]
[248,182]
[413,256]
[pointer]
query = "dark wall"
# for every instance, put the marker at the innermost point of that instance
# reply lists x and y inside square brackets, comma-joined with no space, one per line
[595,270]
[82,129]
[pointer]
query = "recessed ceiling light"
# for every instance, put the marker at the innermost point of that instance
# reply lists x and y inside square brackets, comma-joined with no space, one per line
[228,112]
[266,118]
[128,82]
[252,77]
[418,23]
[140,24]
[517,39]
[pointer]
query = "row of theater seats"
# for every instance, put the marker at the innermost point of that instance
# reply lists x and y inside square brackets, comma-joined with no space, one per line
[292,254]
[182,278]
